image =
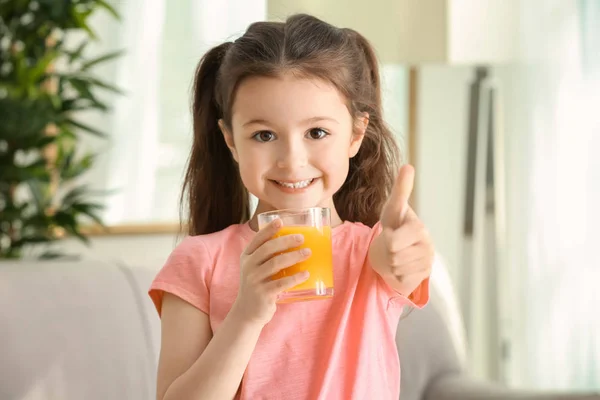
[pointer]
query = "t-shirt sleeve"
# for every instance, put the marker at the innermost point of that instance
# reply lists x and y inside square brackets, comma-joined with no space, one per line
[186,274]
[418,298]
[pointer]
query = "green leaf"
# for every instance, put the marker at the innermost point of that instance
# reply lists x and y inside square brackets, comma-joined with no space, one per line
[81,103]
[13,213]
[65,219]
[83,87]
[24,119]
[37,192]
[74,196]
[89,210]
[86,128]
[67,132]
[65,157]
[34,171]
[36,142]
[44,141]
[77,54]
[80,22]
[109,8]
[21,70]
[38,221]
[39,69]
[71,168]
[105,85]
[69,222]
[56,101]
[87,65]
[83,83]
[96,219]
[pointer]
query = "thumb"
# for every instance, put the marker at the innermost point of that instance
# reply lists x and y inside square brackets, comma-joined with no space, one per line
[396,207]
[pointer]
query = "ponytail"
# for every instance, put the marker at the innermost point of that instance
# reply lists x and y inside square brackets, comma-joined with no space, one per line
[372,170]
[216,197]
[370,66]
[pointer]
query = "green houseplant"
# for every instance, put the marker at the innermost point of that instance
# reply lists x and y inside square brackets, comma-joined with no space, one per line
[44,82]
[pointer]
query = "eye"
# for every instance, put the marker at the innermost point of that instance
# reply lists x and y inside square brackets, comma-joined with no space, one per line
[264,136]
[317,133]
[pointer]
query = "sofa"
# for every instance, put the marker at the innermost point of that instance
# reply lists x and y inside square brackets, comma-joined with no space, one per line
[86,330]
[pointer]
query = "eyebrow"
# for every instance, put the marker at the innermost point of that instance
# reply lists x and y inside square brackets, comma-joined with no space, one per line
[306,121]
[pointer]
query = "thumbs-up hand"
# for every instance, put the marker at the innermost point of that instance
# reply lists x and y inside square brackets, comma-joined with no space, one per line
[403,252]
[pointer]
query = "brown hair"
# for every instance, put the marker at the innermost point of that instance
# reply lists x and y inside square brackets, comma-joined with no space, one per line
[306,47]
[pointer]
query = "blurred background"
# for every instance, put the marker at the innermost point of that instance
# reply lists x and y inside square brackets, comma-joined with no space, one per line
[496,103]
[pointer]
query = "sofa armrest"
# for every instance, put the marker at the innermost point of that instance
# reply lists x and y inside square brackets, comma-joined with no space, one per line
[461,387]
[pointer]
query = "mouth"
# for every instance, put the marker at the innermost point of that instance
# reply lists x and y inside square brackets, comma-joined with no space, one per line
[294,185]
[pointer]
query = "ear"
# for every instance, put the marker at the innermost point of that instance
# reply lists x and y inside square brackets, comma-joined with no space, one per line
[228,136]
[360,128]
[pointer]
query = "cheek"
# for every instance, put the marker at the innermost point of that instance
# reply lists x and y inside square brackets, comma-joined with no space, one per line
[246,156]
[336,167]
[251,178]
[248,167]
[334,160]
[252,166]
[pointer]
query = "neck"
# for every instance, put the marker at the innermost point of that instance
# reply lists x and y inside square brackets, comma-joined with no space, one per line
[264,207]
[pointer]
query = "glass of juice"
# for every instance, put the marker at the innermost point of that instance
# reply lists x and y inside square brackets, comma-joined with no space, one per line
[315,225]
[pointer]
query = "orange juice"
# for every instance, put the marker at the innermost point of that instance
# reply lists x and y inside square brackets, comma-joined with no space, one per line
[319,264]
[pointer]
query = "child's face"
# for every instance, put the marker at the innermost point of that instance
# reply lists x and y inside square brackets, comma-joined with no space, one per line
[292,139]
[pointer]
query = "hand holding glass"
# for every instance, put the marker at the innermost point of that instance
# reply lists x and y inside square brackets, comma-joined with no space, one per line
[315,225]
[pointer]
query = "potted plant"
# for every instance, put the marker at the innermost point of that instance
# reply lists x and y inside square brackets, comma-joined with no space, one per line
[45,81]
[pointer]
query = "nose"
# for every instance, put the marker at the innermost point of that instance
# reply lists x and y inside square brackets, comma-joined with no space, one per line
[292,154]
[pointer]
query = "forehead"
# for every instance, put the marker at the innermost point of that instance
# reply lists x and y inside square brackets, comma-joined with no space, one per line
[287,99]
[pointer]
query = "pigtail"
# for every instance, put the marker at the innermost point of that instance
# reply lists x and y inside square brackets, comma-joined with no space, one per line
[372,170]
[213,189]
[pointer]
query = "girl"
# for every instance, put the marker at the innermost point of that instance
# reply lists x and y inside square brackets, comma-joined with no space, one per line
[291,113]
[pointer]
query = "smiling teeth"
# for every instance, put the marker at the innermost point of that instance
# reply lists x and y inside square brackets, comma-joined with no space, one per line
[295,185]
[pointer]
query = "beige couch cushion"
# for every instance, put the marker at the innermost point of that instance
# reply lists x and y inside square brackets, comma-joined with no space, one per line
[76,330]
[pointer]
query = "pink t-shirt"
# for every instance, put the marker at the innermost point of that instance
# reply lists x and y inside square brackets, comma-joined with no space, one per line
[339,348]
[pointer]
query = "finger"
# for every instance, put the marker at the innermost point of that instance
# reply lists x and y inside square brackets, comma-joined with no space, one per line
[396,206]
[411,232]
[282,261]
[410,214]
[264,235]
[412,253]
[280,285]
[413,280]
[272,247]
[414,267]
